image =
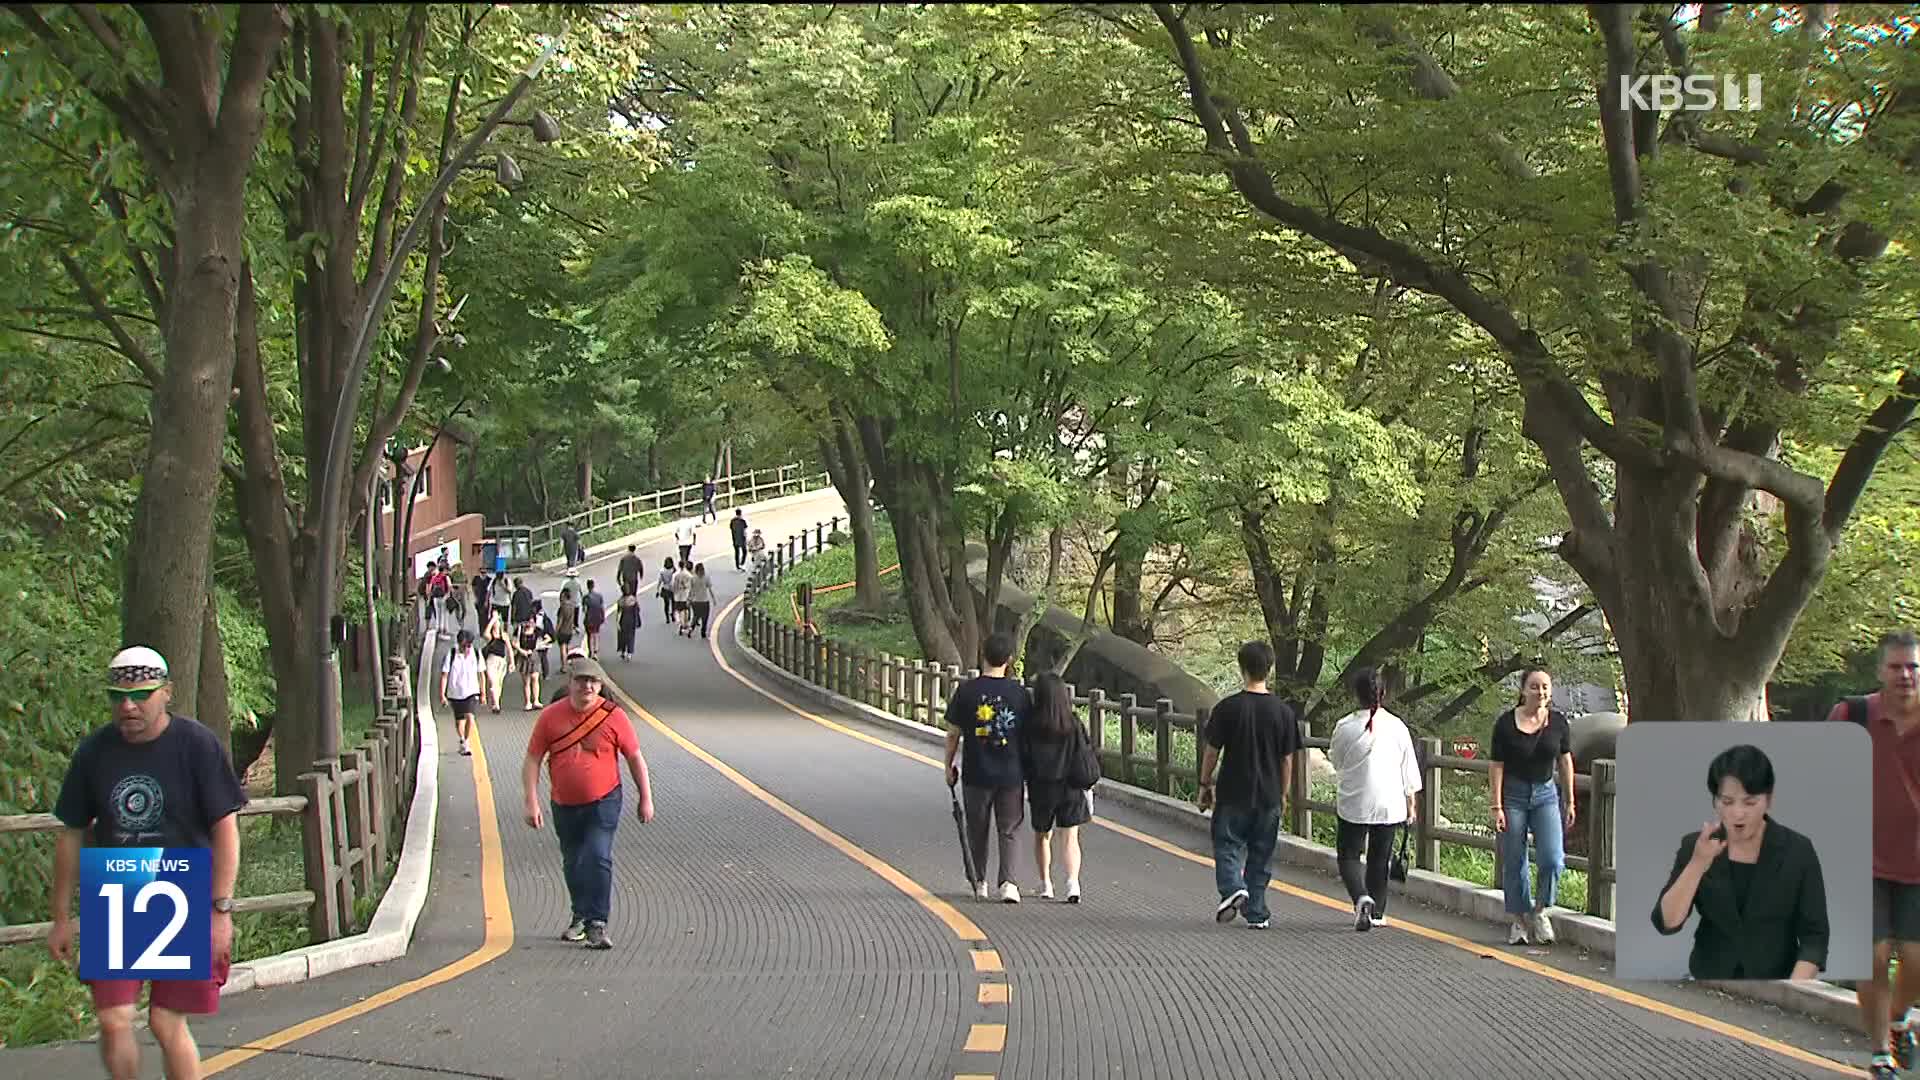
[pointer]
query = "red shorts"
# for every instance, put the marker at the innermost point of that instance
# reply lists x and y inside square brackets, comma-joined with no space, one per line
[175,995]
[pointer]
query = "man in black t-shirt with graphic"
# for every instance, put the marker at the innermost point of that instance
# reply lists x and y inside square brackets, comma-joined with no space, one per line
[1260,736]
[984,715]
[149,779]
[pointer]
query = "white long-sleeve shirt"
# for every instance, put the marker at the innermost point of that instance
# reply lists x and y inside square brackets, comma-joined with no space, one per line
[1378,769]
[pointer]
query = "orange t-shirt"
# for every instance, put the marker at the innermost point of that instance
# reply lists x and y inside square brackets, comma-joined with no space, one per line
[586,771]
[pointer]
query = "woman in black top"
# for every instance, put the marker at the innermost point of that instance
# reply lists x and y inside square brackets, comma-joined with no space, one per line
[1756,883]
[1531,742]
[1049,739]
[629,617]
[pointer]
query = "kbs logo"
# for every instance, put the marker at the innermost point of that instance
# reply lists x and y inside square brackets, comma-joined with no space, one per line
[1691,93]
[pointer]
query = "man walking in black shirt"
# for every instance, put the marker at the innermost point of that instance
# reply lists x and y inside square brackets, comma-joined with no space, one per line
[984,716]
[1260,735]
[738,525]
[149,779]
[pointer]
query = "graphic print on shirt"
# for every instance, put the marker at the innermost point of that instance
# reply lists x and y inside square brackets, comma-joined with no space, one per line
[994,725]
[139,806]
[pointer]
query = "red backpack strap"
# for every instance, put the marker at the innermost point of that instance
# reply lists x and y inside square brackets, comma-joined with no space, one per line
[582,729]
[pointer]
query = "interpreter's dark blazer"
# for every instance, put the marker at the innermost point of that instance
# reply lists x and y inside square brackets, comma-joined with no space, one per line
[1783,921]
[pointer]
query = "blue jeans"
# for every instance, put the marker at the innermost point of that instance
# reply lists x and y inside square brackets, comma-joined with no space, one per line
[1531,807]
[1243,841]
[586,853]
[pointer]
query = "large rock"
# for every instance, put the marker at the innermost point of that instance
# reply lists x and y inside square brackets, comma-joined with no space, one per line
[1594,736]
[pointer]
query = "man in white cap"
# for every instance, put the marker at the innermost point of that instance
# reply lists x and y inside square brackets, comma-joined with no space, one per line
[150,778]
[582,739]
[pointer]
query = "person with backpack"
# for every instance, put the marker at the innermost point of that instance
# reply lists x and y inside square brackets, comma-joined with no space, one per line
[1259,735]
[628,615]
[500,599]
[664,588]
[1061,768]
[683,598]
[520,608]
[460,679]
[570,540]
[495,653]
[737,525]
[595,610]
[1890,1011]
[1531,743]
[1379,778]
[984,716]
[566,622]
[700,595]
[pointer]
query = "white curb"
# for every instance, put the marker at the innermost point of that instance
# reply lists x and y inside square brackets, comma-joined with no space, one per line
[387,937]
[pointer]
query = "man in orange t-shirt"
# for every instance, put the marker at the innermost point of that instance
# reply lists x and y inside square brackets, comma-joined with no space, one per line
[580,737]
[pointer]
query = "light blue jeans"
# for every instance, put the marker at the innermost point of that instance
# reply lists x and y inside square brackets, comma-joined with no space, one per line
[1531,807]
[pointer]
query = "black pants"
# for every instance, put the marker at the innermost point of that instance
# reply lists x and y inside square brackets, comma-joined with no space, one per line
[666,602]
[627,627]
[1008,809]
[1377,841]
[686,554]
[739,554]
[701,610]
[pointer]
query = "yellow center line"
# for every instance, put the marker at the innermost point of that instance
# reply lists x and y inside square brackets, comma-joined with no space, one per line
[499,939]
[1628,997]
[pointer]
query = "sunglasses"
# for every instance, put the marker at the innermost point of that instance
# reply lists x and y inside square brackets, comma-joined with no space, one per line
[115,697]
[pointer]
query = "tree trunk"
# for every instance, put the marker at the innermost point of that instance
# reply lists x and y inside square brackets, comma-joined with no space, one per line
[214,710]
[166,584]
[583,471]
[1129,614]
[847,468]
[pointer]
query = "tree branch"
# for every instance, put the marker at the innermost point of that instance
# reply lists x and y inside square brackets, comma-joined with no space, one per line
[124,342]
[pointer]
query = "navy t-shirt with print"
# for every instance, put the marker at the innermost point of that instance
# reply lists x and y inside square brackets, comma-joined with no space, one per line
[988,712]
[163,793]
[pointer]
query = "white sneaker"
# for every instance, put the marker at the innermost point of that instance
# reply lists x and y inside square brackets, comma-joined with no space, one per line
[1229,908]
[1073,891]
[1046,890]
[464,750]
[1517,931]
[1379,921]
[1542,929]
[979,890]
[1009,893]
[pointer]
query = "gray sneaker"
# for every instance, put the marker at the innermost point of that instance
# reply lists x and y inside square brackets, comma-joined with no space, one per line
[575,931]
[597,936]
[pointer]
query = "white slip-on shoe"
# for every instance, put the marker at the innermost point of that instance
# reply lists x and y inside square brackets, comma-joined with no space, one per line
[1009,893]
[1517,932]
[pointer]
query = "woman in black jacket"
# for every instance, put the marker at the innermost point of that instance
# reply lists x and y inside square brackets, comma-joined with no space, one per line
[1756,883]
[1050,740]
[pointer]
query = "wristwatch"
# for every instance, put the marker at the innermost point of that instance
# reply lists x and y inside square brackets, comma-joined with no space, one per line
[223,905]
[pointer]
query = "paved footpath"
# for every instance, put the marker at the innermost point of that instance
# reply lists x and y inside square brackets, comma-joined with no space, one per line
[797,908]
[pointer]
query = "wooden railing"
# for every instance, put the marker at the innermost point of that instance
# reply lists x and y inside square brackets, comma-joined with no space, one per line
[735,489]
[917,690]
[353,811]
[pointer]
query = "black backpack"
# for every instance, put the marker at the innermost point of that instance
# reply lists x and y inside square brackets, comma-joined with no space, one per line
[1857,709]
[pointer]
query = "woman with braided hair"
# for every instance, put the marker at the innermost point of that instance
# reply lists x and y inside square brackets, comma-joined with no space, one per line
[1379,777]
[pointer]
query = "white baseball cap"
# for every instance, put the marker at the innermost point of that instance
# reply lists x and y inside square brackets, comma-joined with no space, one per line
[136,668]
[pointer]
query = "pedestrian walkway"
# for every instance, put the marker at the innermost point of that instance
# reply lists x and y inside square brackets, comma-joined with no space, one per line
[797,908]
